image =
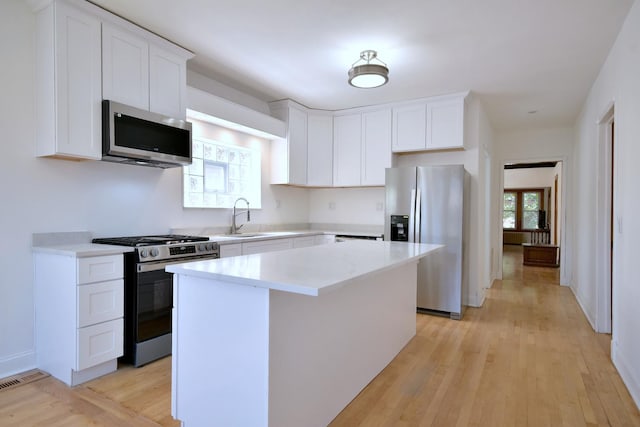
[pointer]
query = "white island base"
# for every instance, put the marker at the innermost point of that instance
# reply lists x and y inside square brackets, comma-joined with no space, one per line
[257,356]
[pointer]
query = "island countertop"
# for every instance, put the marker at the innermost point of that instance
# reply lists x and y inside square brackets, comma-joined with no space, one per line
[311,271]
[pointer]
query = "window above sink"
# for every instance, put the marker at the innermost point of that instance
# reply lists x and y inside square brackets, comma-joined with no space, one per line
[226,165]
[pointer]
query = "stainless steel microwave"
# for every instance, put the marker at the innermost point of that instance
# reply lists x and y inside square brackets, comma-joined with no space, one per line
[134,136]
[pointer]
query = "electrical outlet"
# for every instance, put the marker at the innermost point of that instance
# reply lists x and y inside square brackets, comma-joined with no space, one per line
[379,206]
[332,206]
[277,204]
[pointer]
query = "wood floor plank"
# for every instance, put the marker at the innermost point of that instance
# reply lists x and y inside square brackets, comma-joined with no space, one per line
[527,358]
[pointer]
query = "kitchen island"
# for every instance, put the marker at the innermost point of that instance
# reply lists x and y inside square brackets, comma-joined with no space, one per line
[288,338]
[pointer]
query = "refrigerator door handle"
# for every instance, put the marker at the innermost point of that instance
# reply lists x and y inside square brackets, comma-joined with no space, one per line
[412,216]
[418,221]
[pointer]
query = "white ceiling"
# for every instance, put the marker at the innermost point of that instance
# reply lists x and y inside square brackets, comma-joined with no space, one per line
[515,55]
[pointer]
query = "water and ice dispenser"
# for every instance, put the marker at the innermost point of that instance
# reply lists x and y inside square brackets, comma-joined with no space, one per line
[399,228]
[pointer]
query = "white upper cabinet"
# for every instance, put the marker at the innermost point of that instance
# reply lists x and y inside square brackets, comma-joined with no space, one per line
[362,148]
[167,83]
[347,140]
[432,124]
[297,146]
[289,156]
[319,150]
[409,127]
[376,147]
[139,73]
[69,93]
[125,67]
[86,54]
[445,124]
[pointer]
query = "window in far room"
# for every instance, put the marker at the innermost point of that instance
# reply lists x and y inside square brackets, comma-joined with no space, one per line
[226,165]
[509,210]
[521,209]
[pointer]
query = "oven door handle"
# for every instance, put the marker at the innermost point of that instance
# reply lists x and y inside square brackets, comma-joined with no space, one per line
[155,266]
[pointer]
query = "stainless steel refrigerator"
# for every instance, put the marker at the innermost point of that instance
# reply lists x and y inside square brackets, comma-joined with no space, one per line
[426,204]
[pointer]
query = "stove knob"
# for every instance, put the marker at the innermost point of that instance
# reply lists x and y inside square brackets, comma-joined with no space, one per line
[201,246]
[143,253]
[210,246]
[154,251]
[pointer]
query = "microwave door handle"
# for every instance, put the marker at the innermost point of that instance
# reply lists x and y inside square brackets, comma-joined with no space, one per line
[418,219]
[412,216]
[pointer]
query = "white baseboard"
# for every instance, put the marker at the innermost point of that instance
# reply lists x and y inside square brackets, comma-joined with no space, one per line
[17,363]
[622,365]
[584,310]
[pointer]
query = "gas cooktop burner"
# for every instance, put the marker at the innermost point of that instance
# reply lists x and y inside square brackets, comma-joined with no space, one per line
[135,241]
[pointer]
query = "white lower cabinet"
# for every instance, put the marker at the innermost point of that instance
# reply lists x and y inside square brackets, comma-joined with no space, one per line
[266,246]
[323,239]
[274,244]
[234,249]
[99,343]
[303,242]
[100,302]
[79,304]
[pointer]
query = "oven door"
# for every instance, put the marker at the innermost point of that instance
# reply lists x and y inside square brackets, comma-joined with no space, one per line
[154,302]
[154,298]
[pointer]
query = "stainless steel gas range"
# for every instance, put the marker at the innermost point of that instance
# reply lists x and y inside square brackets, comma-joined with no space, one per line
[148,290]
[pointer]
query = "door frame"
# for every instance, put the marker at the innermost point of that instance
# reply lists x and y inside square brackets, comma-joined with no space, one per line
[603,258]
[565,250]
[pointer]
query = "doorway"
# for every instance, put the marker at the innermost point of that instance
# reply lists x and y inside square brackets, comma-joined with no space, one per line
[605,234]
[536,212]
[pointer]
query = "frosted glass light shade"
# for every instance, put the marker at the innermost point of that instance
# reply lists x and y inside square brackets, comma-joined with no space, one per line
[368,75]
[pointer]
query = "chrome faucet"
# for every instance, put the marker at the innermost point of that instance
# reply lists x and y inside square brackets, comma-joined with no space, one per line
[234,226]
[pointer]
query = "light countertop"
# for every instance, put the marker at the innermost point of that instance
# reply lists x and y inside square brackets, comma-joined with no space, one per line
[224,239]
[312,270]
[82,250]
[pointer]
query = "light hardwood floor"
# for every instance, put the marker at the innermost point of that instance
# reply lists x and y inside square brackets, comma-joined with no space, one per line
[527,358]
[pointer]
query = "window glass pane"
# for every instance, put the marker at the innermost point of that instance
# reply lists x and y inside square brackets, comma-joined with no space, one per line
[509,210]
[531,201]
[509,201]
[509,219]
[220,173]
[530,220]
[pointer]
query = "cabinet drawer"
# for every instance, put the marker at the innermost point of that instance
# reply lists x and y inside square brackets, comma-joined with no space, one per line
[99,343]
[303,242]
[266,246]
[100,268]
[234,249]
[99,302]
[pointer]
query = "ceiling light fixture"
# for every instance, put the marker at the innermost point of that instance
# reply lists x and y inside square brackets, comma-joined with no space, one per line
[365,74]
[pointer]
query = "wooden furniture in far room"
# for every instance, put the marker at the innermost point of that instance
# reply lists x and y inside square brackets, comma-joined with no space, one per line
[541,255]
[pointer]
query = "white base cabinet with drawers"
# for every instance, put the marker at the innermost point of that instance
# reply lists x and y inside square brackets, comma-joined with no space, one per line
[79,315]
[276,244]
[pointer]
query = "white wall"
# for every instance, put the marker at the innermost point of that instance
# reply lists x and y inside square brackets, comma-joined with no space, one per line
[539,145]
[45,195]
[529,178]
[347,206]
[617,83]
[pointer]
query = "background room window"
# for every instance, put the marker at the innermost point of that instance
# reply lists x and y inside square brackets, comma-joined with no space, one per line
[509,210]
[530,207]
[522,209]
